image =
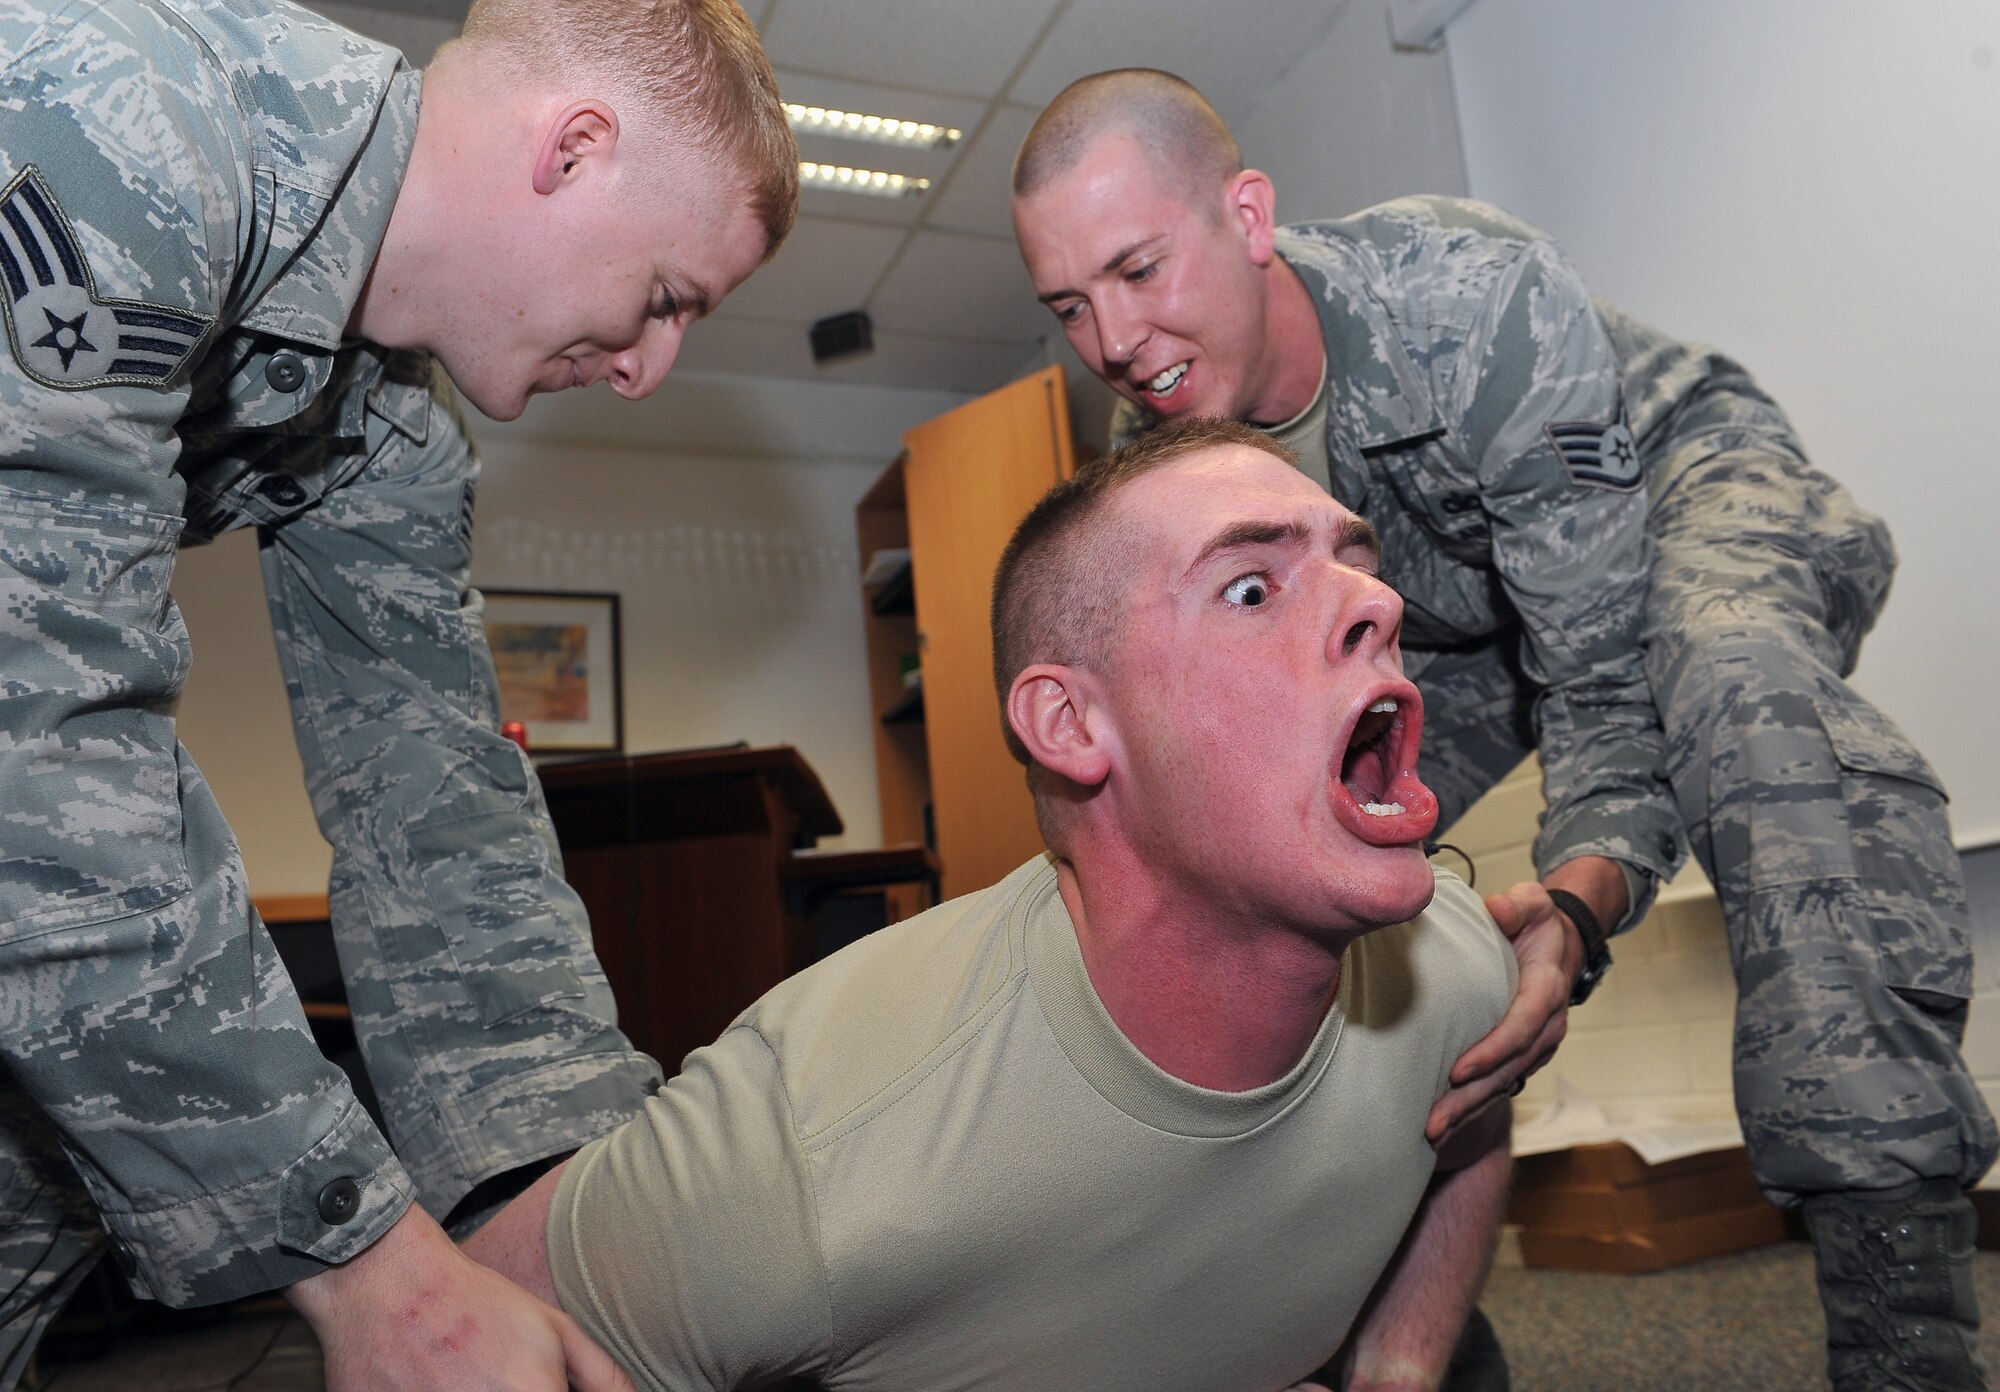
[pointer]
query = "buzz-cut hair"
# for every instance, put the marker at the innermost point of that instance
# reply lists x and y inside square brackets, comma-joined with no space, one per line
[1057,595]
[1181,136]
[697,65]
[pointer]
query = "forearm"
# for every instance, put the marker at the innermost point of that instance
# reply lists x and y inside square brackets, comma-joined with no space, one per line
[412,1314]
[156,1023]
[1413,1320]
[486,1018]
[1607,800]
[515,1242]
[1602,885]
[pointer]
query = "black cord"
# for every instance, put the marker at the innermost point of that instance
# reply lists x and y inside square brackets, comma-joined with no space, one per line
[1432,848]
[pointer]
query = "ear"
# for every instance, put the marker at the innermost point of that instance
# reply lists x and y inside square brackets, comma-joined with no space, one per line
[1053,712]
[1251,203]
[584,130]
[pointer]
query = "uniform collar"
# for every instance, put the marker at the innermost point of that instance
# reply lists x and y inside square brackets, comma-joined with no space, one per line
[402,394]
[314,297]
[1379,396]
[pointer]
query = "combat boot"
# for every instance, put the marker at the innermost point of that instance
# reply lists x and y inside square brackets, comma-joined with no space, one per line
[1895,1276]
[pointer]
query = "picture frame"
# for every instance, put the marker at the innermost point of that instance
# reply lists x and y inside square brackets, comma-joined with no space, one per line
[556,655]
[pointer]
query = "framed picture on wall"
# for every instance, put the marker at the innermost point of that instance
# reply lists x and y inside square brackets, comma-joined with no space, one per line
[556,655]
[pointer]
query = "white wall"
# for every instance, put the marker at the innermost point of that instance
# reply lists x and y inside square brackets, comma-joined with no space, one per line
[741,593]
[1813,188]
[738,574]
[1356,121]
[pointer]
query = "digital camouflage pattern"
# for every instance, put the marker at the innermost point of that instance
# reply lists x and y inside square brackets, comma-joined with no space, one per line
[191,194]
[1612,549]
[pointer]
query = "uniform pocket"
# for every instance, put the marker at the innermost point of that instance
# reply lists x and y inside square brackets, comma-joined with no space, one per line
[1905,866]
[488,878]
[92,656]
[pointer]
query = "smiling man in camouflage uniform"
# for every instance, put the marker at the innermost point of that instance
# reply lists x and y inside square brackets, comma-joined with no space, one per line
[232,238]
[1613,552]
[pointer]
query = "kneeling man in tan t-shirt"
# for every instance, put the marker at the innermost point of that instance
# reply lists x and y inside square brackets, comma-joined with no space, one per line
[1148,1114]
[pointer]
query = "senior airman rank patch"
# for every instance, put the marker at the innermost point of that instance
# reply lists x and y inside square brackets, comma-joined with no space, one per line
[1597,454]
[62,334]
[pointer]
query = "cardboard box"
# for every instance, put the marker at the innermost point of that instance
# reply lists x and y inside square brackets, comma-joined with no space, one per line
[1656,1246]
[1603,1208]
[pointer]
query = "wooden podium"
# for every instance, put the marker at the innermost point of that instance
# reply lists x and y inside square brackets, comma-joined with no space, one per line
[699,880]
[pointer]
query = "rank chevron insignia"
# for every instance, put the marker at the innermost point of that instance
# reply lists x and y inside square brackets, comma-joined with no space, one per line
[62,334]
[1598,454]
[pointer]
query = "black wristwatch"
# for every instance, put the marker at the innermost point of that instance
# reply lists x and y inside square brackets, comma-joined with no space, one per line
[1596,947]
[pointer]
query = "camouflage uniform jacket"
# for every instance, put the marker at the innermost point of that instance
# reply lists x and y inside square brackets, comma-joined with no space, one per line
[1476,419]
[191,195]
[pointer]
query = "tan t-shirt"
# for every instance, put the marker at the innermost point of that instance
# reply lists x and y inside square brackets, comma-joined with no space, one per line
[1305,436]
[933,1161]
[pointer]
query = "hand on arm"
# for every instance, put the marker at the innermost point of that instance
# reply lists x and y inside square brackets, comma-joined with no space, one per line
[413,1312]
[1549,953]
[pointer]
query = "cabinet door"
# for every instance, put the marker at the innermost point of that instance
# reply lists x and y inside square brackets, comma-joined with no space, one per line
[969,476]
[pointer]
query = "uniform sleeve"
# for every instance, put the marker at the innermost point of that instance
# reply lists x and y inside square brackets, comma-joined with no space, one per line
[151,1019]
[1561,484]
[1477,964]
[686,1243]
[488,1025]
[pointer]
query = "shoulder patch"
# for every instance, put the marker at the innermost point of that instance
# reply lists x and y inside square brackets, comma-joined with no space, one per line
[62,334]
[1598,454]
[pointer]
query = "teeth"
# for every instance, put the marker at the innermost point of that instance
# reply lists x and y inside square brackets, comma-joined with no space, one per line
[1382,809]
[1387,706]
[1167,380]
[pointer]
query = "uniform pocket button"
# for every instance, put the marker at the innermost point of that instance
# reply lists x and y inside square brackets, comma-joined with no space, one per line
[285,372]
[339,1201]
[128,1261]
[283,490]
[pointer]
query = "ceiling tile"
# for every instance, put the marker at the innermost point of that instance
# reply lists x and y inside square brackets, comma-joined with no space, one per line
[943,364]
[861,207]
[976,199]
[964,287]
[824,267]
[696,412]
[761,348]
[964,47]
[1233,63]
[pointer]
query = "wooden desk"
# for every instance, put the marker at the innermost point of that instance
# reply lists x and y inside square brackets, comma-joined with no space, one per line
[702,889]
[697,901]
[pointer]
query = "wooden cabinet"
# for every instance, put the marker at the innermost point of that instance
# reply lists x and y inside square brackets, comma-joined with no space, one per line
[963,482]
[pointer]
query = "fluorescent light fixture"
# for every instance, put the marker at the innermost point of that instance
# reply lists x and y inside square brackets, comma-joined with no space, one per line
[883,130]
[845,180]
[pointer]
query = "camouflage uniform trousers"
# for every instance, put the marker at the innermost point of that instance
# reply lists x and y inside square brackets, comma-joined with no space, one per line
[1821,827]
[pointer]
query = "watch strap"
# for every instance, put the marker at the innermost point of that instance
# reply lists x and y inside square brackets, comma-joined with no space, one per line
[1596,945]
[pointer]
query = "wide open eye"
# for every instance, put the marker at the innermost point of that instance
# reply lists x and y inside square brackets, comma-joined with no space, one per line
[1249,591]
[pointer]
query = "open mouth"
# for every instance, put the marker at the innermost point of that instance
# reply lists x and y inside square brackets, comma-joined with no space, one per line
[1378,795]
[1161,390]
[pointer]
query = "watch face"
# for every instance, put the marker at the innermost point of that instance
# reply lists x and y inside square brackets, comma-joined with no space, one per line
[1587,979]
